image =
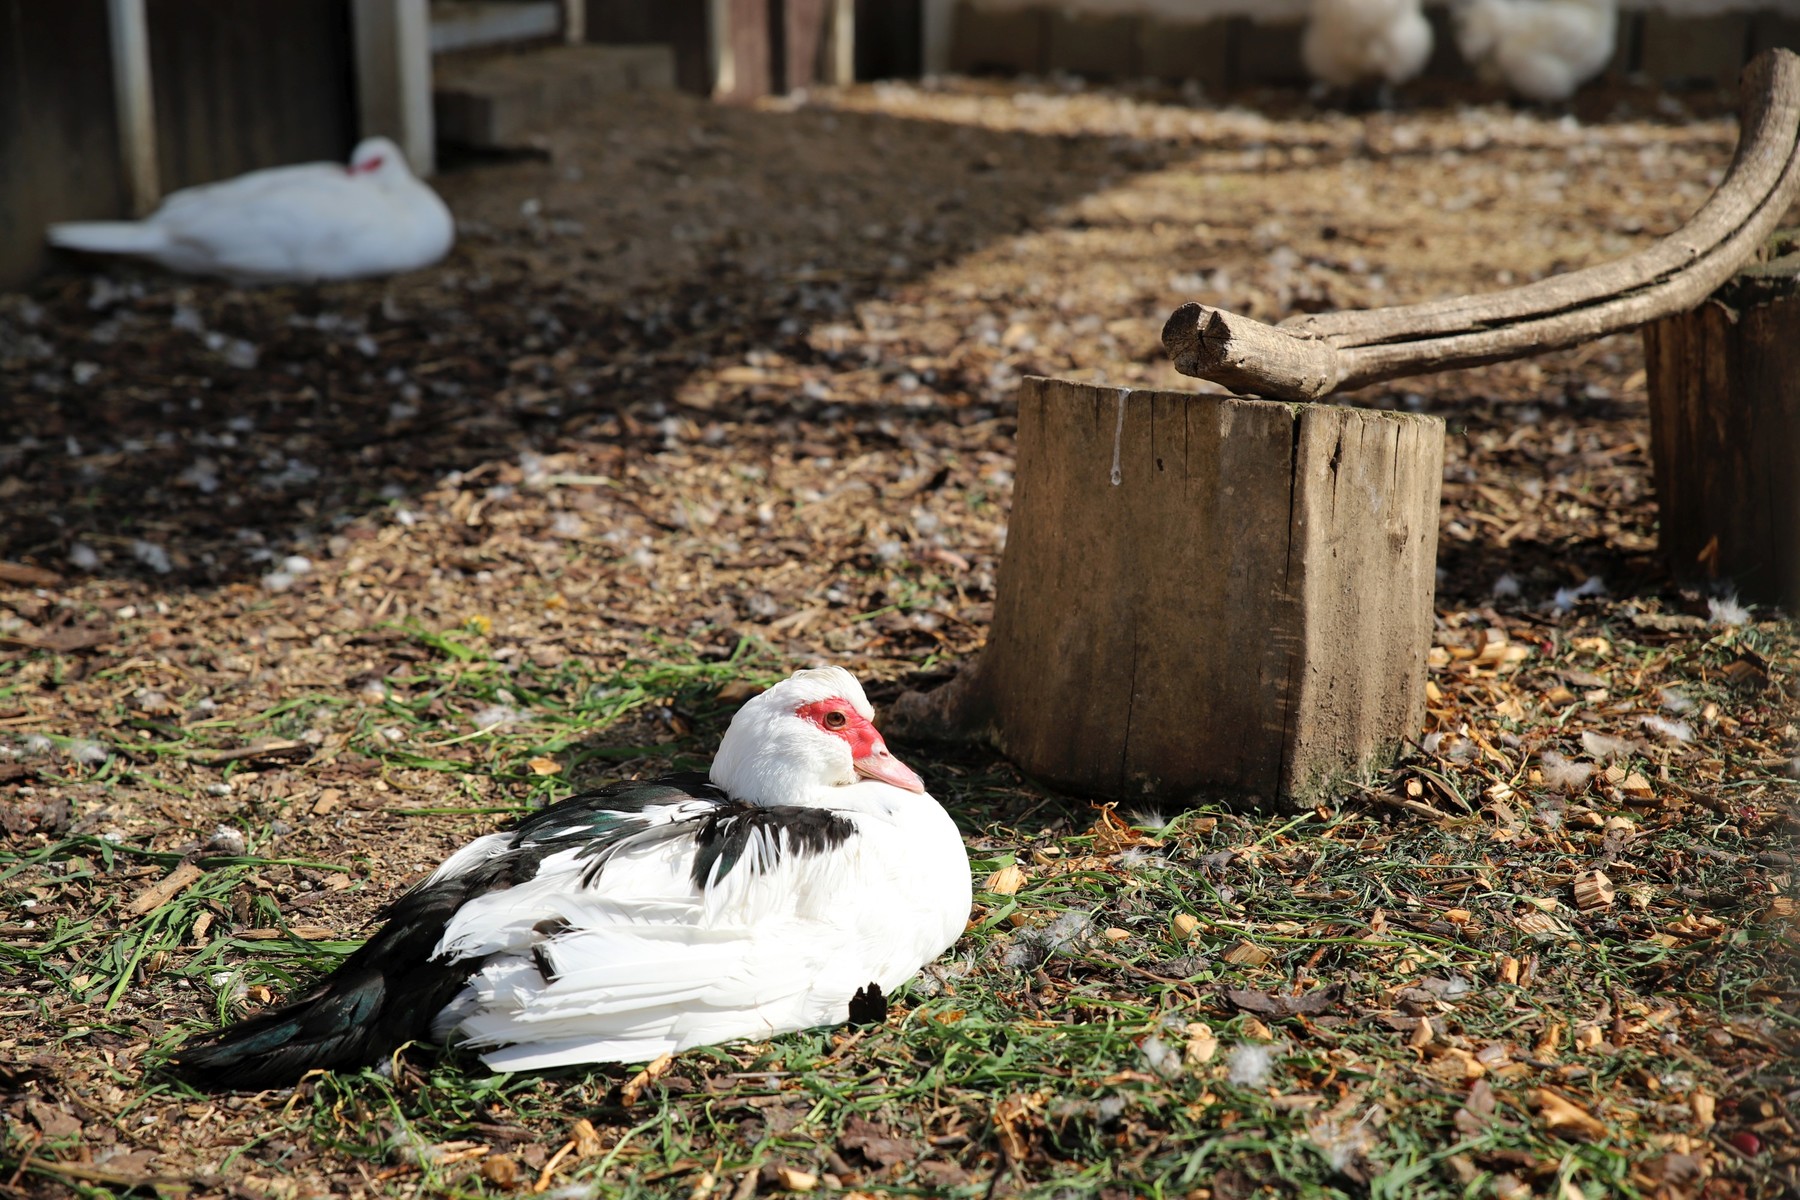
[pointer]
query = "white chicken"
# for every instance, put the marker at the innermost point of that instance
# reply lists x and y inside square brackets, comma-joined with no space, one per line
[1542,49]
[1348,42]
[290,224]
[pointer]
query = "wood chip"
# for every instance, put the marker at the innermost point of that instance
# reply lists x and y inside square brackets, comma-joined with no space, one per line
[1593,891]
[27,576]
[59,641]
[1006,881]
[585,1137]
[1184,926]
[793,1179]
[634,1087]
[1248,954]
[1202,1045]
[1565,1118]
[165,889]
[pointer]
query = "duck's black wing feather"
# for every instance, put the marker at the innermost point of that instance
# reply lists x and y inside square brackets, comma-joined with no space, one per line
[388,991]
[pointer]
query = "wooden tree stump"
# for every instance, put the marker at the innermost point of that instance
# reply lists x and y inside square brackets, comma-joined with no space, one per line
[1202,595]
[1725,430]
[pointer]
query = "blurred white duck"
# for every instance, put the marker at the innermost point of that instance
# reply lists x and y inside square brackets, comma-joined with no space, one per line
[1542,49]
[808,877]
[314,221]
[1348,42]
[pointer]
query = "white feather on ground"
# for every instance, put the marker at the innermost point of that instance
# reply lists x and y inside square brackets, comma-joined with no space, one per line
[1725,610]
[1542,49]
[1664,727]
[1352,41]
[1563,775]
[1251,1064]
[1603,746]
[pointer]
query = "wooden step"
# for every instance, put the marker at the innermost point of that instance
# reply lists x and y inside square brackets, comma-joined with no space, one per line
[501,101]
[472,24]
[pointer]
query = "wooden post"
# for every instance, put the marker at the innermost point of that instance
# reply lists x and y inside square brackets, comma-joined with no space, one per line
[937,35]
[1203,595]
[393,76]
[840,47]
[574,21]
[1724,384]
[132,94]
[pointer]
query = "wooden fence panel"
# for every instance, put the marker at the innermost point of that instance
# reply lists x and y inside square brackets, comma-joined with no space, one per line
[59,150]
[240,86]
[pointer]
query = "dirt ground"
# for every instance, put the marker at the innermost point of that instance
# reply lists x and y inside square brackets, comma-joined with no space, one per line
[308,585]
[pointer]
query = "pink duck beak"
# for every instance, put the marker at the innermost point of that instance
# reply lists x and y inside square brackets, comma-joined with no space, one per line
[879,763]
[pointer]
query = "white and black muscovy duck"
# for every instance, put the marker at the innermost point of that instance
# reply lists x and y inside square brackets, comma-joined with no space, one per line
[295,224]
[807,877]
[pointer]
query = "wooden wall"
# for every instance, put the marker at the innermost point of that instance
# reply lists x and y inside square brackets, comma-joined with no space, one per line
[59,156]
[240,86]
[237,86]
[889,39]
[678,23]
[776,45]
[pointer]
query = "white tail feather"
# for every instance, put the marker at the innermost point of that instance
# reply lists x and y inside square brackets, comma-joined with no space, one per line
[109,237]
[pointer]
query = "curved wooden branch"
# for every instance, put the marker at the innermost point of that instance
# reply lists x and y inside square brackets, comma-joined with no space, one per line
[1309,357]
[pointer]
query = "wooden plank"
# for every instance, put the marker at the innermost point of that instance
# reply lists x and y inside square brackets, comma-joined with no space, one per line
[1202,594]
[393,76]
[473,24]
[129,37]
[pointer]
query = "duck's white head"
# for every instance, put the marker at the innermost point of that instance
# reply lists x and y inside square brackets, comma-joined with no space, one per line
[805,737]
[379,159]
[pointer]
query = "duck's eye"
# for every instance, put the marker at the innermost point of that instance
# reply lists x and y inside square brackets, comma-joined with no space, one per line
[836,720]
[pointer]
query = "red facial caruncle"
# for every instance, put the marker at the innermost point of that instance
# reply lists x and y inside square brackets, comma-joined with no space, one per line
[839,718]
[367,166]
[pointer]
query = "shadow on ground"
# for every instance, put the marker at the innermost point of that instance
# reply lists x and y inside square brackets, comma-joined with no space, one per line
[191,431]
